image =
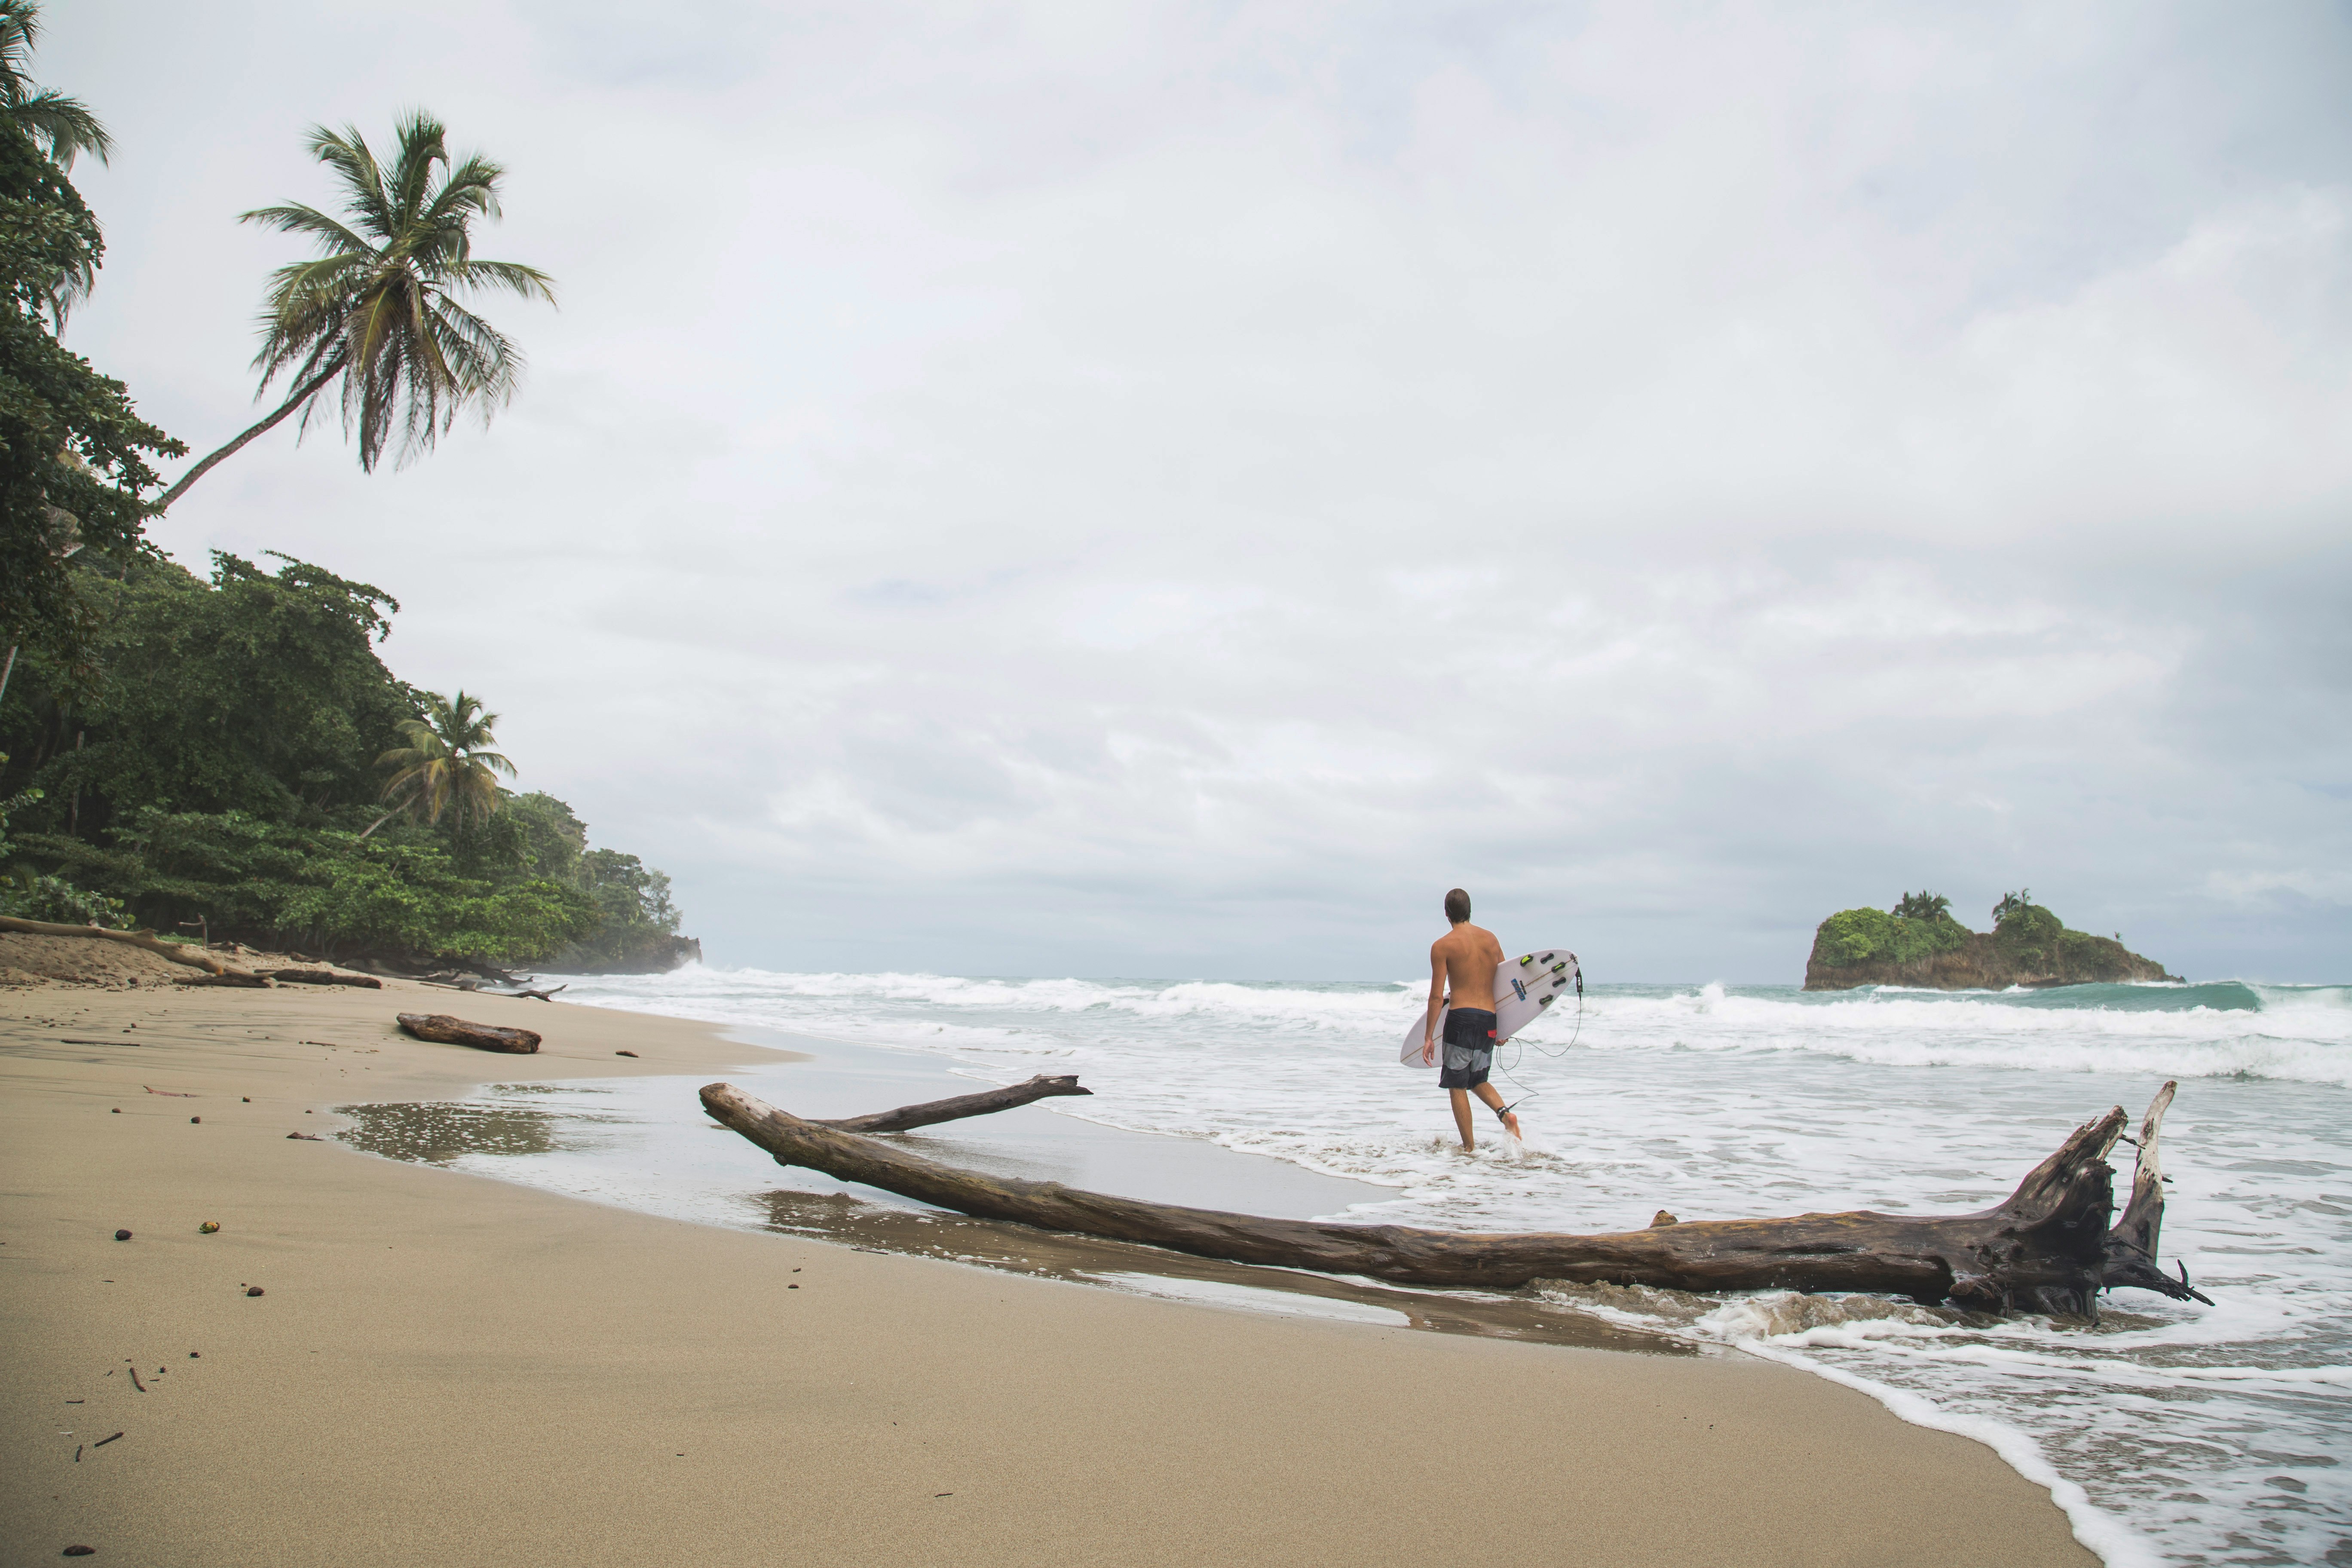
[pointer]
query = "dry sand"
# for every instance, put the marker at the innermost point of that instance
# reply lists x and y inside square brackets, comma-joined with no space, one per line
[450,1369]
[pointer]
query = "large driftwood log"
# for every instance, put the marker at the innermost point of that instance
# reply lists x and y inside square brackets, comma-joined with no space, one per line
[195,957]
[2046,1248]
[442,1029]
[962,1105]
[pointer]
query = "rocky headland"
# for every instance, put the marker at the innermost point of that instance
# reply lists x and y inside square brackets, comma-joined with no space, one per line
[1921,944]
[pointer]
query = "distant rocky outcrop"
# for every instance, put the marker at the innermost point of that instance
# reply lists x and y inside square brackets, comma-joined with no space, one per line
[1923,945]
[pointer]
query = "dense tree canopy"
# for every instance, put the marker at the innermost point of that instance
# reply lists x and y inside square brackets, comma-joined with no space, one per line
[222,766]
[73,451]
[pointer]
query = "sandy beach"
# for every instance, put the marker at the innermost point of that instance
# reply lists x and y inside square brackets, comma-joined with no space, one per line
[442,1367]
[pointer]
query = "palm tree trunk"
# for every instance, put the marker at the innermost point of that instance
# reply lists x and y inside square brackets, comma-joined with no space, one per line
[302,395]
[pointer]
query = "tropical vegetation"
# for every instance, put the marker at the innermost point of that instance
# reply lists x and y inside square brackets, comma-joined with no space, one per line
[447,764]
[230,755]
[74,457]
[2025,937]
[1923,906]
[224,770]
[1870,936]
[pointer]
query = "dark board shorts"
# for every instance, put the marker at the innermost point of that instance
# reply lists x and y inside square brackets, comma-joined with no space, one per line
[1469,1048]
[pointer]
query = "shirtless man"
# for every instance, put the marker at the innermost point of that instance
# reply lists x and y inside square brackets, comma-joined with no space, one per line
[1464,961]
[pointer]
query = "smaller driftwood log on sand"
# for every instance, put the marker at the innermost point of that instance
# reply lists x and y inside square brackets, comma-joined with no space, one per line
[323,977]
[2047,1247]
[442,1029]
[178,952]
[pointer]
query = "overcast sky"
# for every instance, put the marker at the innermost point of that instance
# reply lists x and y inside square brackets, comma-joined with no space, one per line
[1169,489]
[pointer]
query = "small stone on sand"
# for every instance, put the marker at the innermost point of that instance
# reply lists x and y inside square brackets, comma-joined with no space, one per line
[253,1290]
[122,1236]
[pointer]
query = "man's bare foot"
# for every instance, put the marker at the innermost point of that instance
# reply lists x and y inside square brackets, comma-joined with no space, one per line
[1510,1124]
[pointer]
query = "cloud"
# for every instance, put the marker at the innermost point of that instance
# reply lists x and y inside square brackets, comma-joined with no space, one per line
[1167,488]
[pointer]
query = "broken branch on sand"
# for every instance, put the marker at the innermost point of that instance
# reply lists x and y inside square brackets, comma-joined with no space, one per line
[2047,1247]
[195,957]
[931,1112]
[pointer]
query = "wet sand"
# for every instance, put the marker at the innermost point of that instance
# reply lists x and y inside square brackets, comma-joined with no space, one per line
[444,1367]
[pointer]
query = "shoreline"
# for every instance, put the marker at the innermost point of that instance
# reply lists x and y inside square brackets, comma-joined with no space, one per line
[447,1366]
[514,1136]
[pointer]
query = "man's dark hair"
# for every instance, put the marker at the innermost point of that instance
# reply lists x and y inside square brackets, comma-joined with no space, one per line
[1457,906]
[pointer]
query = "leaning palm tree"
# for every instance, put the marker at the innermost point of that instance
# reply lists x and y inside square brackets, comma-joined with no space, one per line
[446,765]
[378,310]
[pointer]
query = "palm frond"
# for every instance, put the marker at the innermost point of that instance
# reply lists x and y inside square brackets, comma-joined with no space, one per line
[348,154]
[20,27]
[331,233]
[512,276]
[482,360]
[65,124]
[421,151]
[471,187]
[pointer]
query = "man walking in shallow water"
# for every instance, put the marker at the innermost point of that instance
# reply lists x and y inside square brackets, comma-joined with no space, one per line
[1463,963]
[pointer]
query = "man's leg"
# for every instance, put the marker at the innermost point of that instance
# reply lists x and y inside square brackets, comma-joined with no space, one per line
[1486,1092]
[1461,1116]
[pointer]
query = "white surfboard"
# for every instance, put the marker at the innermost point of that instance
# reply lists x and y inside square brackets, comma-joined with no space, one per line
[1527,986]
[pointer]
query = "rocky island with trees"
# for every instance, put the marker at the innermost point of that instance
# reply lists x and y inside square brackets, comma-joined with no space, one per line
[1919,943]
[226,756]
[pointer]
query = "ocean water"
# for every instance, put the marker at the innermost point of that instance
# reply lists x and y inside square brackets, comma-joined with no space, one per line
[2171,1432]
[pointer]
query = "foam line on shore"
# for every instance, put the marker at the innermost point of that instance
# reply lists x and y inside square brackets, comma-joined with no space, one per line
[2118,1544]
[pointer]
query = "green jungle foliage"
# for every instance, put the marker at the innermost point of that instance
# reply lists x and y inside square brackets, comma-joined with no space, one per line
[1873,936]
[2032,935]
[73,453]
[220,770]
[27,895]
[2028,938]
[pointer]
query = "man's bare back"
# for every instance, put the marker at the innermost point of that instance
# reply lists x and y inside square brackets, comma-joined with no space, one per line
[1469,957]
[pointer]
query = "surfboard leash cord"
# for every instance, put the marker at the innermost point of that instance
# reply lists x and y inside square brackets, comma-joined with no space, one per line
[1575,1035]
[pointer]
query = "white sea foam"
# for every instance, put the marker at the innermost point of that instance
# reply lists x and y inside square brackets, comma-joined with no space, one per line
[2173,1431]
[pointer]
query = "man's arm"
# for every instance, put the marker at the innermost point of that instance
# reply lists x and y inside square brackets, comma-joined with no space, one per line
[1436,1002]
